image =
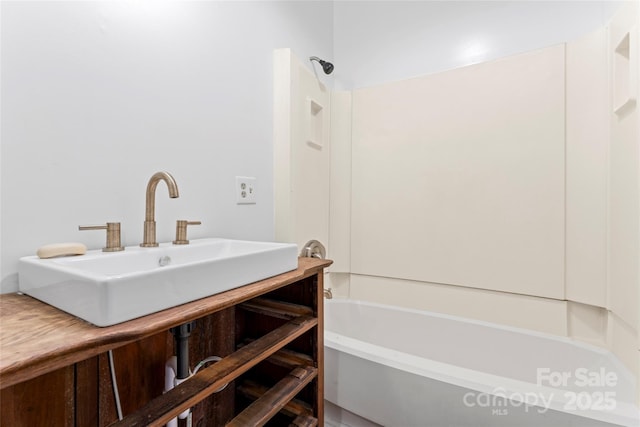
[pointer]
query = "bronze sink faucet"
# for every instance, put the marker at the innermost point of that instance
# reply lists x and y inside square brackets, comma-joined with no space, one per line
[149,240]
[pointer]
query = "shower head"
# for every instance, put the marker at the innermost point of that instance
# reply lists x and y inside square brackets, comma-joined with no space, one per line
[327,67]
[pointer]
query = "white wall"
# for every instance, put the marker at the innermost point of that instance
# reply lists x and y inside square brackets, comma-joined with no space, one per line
[384,41]
[97,96]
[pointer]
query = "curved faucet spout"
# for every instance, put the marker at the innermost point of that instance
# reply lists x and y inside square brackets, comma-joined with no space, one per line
[150,210]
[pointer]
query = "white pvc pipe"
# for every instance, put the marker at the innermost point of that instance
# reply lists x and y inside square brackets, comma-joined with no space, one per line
[170,381]
[186,413]
[170,369]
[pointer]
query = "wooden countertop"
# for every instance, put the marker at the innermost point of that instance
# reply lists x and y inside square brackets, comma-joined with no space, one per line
[36,338]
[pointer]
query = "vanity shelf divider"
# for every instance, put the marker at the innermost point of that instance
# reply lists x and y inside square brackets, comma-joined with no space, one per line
[295,407]
[275,308]
[272,401]
[285,357]
[290,359]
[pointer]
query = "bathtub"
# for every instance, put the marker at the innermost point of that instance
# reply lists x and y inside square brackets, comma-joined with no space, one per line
[402,367]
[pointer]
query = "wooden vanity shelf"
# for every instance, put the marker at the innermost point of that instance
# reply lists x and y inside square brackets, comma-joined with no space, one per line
[270,387]
[274,399]
[269,335]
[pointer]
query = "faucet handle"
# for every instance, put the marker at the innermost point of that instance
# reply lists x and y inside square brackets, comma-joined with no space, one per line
[113,235]
[181,231]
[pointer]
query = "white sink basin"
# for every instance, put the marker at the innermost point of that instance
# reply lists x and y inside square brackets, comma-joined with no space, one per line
[108,288]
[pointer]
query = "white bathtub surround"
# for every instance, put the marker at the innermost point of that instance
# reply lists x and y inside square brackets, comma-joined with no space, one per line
[412,368]
[458,177]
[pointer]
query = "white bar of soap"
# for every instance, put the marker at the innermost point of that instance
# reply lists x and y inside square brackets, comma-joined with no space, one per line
[61,249]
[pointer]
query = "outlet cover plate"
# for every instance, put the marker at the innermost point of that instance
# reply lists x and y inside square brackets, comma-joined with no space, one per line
[245,190]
